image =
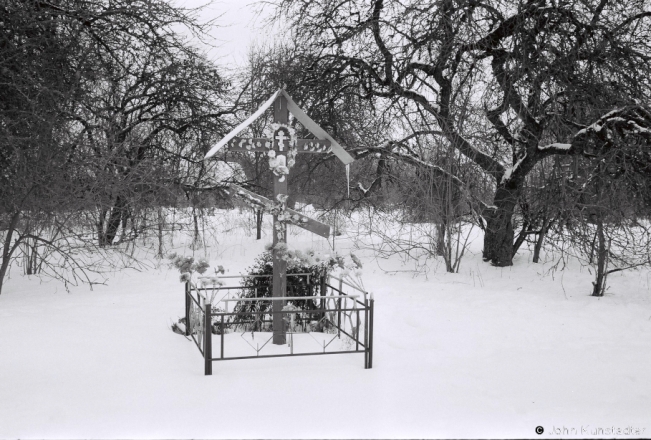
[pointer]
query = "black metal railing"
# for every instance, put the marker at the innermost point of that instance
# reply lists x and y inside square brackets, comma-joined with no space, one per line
[334,314]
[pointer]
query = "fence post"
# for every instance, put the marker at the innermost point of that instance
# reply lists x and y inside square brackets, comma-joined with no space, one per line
[323,289]
[357,331]
[187,308]
[323,294]
[366,314]
[339,318]
[221,339]
[370,334]
[207,340]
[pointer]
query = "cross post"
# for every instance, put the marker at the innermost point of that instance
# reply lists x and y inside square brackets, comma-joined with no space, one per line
[281,116]
[280,144]
[281,149]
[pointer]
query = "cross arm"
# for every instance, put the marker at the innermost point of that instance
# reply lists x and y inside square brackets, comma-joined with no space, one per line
[291,216]
[264,144]
[313,146]
[250,197]
[309,224]
[250,144]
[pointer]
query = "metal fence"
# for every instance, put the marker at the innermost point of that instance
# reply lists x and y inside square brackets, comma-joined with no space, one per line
[338,321]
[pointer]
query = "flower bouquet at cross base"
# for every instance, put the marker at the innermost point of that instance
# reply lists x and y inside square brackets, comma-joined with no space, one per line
[301,266]
[192,272]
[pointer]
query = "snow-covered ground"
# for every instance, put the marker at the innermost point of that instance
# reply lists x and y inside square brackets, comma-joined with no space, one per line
[488,352]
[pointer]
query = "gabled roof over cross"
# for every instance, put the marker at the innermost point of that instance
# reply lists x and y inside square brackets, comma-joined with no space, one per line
[299,114]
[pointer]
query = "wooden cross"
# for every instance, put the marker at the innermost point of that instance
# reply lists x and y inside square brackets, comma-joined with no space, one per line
[281,160]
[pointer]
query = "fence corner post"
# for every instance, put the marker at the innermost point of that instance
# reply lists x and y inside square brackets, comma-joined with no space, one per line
[370,334]
[187,308]
[322,293]
[207,340]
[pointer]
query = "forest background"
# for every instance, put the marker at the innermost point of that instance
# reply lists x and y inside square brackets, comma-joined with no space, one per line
[529,120]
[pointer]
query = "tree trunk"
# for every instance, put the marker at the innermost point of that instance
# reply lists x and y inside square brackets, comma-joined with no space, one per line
[541,239]
[258,223]
[599,285]
[498,237]
[160,231]
[115,219]
[124,221]
[31,265]
[440,239]
[592,248]
[100,227]
[196,240]
[522,236]
[8,249]
[536,250]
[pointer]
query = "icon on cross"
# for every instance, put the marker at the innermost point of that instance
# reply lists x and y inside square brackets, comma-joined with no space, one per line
[280,137]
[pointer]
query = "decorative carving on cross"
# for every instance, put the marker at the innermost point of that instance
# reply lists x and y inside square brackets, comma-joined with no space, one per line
[280,139]
[281,147]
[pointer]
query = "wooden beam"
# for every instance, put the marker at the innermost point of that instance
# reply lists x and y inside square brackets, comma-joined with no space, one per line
[281,116]
[306,298]
[250,197]
[313,146]
[298,219]
[258,145]
[244,124]
[248,144]
[314,226]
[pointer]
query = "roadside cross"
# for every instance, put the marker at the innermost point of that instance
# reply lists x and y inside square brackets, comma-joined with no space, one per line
[282,148]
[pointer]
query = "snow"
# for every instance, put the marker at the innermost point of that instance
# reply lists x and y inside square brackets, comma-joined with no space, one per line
[598,125]
[316,130]
[488,352]
[259,112]
[635,128]
[509,171]
[556,146]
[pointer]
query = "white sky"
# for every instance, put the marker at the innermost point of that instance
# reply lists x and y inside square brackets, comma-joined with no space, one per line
[237,27]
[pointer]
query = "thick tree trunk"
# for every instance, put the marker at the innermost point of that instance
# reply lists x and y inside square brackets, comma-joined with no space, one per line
[498,237]
[8,249]
[536,250]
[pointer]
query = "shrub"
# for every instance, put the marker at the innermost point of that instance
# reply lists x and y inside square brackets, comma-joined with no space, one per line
[297,263]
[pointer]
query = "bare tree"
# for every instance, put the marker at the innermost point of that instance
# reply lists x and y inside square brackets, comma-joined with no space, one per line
[505,83]
[104,105]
